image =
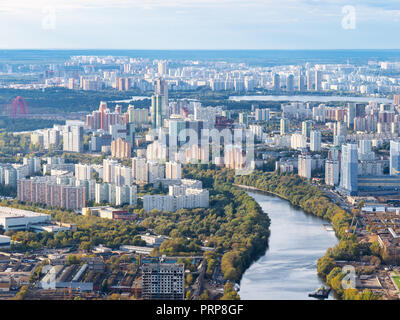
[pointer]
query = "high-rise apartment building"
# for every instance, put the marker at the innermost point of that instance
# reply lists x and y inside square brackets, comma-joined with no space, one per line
[121,149]
[115,195]
[394,157]
[349,169]
[104,118]
[138,116]
[73,138]
[115,173]
[290,83]
[331,172]
[305,166]
[109,170]
[276,83]
[319,113]
[99,140]
[310,81]
[161,88]
[163,281]
[122,84]
[262,114]
[49,191]
[173,170]
[306,127]
[155,171]
[298,141]
[139,170]
[396,99]
[285,126]
[158,111]
[33,163]
[351,114]
[175,128]
[315,140]
[234,157]
[83,171]
[179,197]
[365,152]
[243,118]
[162,67]
[318,80]
[301,84]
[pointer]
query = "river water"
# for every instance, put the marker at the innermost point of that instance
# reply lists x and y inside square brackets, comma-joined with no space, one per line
[288,270]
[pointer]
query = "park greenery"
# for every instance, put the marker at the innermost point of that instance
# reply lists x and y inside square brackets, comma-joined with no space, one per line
[234,225]
[8,191]
[71,157]
[8,124]
[58,100]
[91,231]
[13,147]
[229,292]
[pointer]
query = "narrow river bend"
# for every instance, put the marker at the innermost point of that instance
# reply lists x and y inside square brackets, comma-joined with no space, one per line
[288,270]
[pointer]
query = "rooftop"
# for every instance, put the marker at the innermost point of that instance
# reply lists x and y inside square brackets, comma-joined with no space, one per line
[6,212]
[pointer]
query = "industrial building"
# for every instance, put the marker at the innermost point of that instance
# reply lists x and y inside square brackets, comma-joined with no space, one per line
[5,241]
[378,185]
[17,219]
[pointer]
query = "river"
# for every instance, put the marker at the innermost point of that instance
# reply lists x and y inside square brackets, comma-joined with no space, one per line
[288,270]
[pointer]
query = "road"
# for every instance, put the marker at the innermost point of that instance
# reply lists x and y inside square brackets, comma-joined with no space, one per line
[199,281]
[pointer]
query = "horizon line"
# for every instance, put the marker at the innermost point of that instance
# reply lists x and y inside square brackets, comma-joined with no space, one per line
[208,49]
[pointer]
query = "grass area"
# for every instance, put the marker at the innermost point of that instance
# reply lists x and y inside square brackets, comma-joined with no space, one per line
[396,280]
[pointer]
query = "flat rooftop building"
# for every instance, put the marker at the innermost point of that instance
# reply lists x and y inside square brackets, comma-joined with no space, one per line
[378,185]
[4,241]
[17,219]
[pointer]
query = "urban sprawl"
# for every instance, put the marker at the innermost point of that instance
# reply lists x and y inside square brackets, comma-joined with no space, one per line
[89,205]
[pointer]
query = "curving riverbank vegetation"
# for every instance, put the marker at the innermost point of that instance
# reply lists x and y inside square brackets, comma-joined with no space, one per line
[312,200]
[234,225]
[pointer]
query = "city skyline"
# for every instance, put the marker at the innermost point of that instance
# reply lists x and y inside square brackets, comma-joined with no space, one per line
[199,150]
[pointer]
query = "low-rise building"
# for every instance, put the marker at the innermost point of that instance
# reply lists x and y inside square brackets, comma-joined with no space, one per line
[5,241]
[17,219]
[109,213]
[153,240]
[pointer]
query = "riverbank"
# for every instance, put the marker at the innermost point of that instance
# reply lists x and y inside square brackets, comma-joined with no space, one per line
[255,189]
[328,227]
[300,193]
[259,190]
[288,269]
[312,200]
[238,227]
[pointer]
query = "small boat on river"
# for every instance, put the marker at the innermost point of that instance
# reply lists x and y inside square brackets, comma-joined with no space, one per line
[321,293]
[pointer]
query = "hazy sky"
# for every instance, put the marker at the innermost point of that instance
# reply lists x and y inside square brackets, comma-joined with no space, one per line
[200,24]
